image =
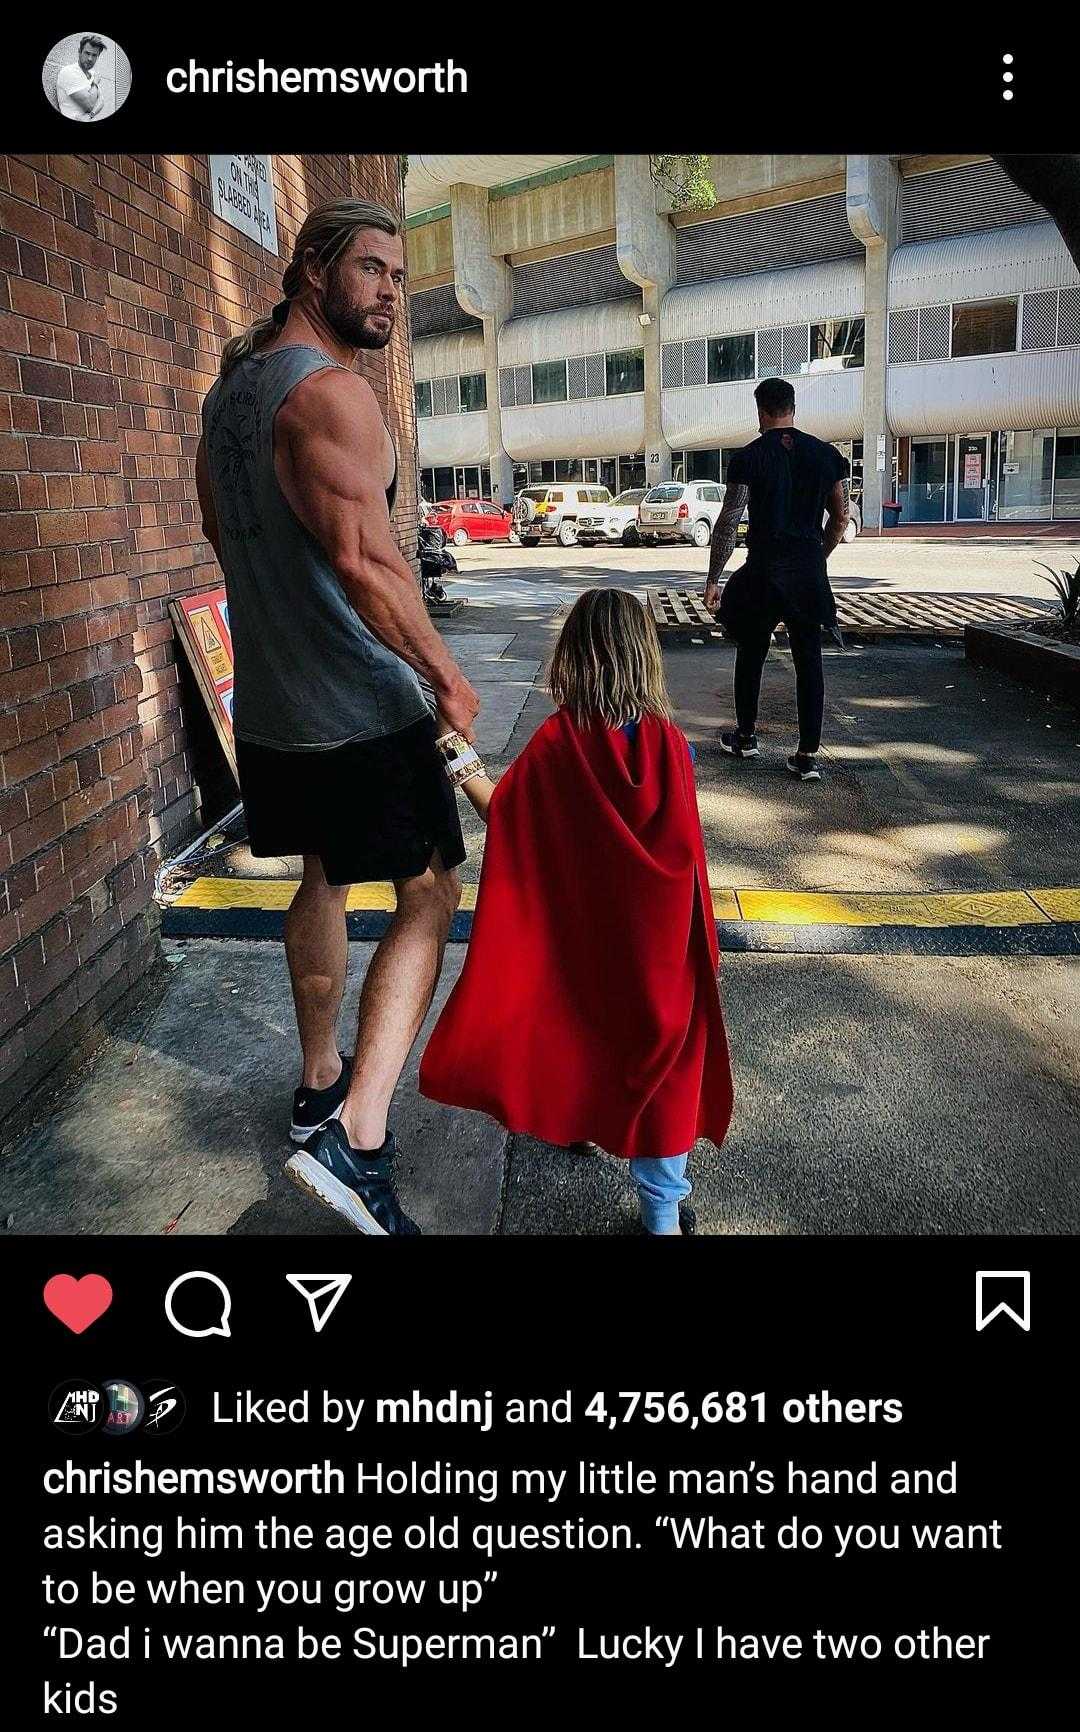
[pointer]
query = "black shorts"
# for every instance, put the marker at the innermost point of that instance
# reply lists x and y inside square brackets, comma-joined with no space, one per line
[371,810]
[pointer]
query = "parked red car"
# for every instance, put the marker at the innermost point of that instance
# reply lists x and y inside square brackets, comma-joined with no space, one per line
[463,520]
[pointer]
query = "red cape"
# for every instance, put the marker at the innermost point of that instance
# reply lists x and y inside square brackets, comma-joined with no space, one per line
[588,1006]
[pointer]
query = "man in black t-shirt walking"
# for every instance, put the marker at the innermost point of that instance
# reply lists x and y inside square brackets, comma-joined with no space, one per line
[789,479]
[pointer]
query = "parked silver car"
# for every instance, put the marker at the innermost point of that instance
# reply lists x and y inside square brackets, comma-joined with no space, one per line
[680,511]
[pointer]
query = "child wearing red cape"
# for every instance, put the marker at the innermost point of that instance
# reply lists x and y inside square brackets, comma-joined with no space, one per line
[588,1008]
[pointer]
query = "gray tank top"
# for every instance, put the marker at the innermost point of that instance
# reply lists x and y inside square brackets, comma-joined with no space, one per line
[309,674]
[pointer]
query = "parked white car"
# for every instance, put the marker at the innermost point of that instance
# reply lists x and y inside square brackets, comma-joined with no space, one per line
[680,511]
[557,510]
[617,522]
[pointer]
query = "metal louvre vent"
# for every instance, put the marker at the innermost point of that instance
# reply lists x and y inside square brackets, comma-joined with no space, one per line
[523,386]
[957,201]
[671,366]
[769,353]
[1039,327]
[453,396]
[432,311]
[571,280]
[596,376]
[575,376]
[694,363]
[764,240]
[796,348]
[506,387]
[438,396]
[1068,331]
[904,334]
[935,333]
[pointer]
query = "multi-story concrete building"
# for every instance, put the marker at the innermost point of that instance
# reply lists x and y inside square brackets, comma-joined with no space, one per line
[568,325]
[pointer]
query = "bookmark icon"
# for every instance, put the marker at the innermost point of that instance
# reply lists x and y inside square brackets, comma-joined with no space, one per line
[1015,1285]
[322,1293]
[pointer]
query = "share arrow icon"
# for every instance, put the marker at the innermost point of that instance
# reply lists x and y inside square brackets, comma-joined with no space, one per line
[322,1293]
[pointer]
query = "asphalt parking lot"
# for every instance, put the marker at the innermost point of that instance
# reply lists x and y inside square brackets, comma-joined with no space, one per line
[947,566]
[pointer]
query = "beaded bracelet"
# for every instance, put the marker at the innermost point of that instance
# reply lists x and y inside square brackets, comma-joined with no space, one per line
[462,760]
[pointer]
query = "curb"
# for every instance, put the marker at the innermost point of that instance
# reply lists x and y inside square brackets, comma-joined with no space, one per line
[1051,667]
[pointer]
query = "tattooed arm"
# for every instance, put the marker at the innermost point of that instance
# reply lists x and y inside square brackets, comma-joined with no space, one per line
[839,512]
[723,541]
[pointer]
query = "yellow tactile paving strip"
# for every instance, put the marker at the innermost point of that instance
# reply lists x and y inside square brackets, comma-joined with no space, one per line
[1058,904]
[916,908]
[277,893]
[778,907]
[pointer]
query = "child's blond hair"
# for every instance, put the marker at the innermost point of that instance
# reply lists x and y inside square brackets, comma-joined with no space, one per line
[607,662]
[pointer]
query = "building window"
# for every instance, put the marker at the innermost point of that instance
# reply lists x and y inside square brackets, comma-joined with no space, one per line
[549,381]
[1025,475]
[444,484]
[568,469]
[923,479]
[703,466]
[473,389]
[836,343]
[423,397]
[1067,477]
[730,359]
[625,372]
[984,328]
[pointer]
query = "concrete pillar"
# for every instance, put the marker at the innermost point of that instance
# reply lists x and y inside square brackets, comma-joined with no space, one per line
[645,248]
[873,211]
[484,287]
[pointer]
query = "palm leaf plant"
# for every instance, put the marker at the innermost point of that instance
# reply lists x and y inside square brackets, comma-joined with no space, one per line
[1067,587]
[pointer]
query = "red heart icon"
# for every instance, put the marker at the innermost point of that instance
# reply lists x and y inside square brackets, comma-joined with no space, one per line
[78,1303]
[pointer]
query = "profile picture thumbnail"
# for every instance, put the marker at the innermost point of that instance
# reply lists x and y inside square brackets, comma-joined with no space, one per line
[87,76]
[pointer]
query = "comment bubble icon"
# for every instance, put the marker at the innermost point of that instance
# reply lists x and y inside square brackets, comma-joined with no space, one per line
[221,1311]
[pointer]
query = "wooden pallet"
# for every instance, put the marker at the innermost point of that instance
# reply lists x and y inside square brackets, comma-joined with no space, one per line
[682,613]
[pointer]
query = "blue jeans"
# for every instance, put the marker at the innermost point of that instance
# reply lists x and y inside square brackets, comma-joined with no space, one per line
[661,1185]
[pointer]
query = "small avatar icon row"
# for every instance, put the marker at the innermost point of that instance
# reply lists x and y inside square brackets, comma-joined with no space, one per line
[116,1407]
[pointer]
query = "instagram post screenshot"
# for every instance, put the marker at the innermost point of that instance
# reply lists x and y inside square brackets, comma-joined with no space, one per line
[539,710]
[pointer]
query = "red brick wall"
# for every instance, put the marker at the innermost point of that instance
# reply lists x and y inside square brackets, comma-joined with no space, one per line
[118,287]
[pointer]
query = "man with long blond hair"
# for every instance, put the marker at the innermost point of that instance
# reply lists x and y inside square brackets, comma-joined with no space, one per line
[335,739]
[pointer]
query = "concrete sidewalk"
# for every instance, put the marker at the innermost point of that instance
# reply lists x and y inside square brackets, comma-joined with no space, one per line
[873,1095]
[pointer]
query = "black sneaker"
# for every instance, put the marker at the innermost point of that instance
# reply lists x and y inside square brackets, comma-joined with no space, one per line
[355,1183]
[312,1108]
[804,766]
[738,745]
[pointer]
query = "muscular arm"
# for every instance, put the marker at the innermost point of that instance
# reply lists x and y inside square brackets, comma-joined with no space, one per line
[839,513]
[206,500]
[329,442]
[725,530]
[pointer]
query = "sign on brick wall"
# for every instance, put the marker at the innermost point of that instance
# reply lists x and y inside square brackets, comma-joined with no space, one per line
[242,192]
[202,623]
